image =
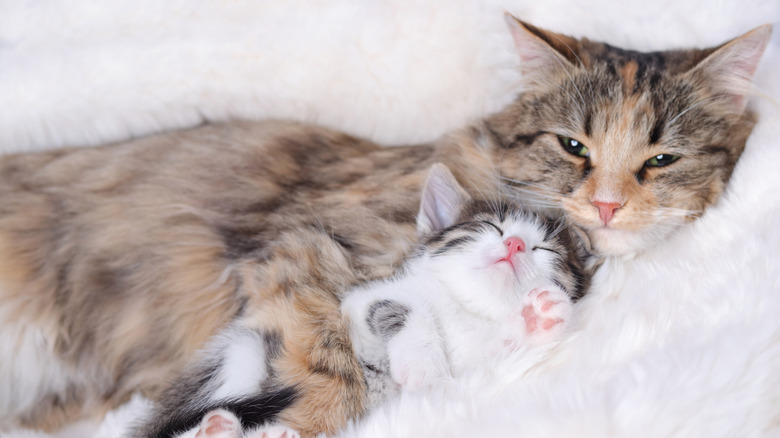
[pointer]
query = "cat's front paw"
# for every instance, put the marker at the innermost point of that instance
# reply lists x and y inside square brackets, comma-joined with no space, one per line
[541,319]
[219,423]
[545,313]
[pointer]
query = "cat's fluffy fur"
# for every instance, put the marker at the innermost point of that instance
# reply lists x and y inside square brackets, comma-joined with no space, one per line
[750,212]
[265,224]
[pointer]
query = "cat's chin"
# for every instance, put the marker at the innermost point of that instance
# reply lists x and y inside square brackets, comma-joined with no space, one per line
[612,242]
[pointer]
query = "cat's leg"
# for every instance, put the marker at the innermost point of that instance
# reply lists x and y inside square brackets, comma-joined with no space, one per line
[221,423]
[231,374]
[391,324]
[416,353]
[542,317]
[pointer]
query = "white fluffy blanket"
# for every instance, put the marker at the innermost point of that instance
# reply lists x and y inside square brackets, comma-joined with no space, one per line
[681,341]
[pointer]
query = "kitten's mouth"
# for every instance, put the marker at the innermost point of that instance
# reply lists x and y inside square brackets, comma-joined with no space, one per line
[512,265]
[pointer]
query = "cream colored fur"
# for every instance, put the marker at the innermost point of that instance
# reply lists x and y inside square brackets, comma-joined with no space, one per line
[682,341]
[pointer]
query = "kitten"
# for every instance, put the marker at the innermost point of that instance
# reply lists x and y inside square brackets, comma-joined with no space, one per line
[120,263]
[486,278]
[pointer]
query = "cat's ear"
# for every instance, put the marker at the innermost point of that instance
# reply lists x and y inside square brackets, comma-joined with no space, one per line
[729,69]
[541,52]
[442,200]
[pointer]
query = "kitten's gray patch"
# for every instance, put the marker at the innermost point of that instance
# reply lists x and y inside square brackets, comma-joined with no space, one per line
[386,318]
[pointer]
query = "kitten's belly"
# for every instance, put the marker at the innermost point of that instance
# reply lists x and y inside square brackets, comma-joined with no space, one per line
[472,345]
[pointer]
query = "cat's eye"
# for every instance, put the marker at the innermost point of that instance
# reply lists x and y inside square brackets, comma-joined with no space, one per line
[661,160]
[574,147]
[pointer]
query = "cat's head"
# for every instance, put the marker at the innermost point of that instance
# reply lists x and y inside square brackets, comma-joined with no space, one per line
[631,145]
[491,253]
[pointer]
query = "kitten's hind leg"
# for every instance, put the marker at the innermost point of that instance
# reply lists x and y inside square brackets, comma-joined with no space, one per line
[219,423]
[388,324]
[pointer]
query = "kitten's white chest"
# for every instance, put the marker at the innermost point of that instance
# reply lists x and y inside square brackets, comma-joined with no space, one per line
[470,340]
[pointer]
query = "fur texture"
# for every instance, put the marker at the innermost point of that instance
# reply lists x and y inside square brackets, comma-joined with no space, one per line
[266,224]
[752,207]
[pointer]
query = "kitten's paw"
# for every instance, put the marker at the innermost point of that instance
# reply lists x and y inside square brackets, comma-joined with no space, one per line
[415,368]
[273,431]
[219,423]
[545,312]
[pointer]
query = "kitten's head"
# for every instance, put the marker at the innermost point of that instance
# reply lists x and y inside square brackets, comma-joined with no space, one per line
[490,254]
[631,145]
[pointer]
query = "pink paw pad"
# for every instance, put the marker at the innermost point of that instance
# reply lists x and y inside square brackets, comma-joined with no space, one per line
[219,424]
[545,313]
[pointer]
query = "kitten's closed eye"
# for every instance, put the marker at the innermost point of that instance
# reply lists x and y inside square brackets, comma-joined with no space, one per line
[546,249]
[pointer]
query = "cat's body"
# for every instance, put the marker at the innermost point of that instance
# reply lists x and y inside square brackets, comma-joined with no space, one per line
[120,262]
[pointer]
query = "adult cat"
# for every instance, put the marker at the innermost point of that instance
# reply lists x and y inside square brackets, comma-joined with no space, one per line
[265,224]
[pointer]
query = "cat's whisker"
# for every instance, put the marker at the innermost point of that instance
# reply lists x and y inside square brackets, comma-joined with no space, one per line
[560,225]
[669,212]
[493,202]
[694,105]
[538,192]
[528,183]
[579,61]
[490,174]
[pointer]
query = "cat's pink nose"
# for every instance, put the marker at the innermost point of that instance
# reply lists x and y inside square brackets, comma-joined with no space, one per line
[606,210]
[513,246]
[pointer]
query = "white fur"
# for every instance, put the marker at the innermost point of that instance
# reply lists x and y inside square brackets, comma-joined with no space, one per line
[36,370]
[682,341]
[243,366]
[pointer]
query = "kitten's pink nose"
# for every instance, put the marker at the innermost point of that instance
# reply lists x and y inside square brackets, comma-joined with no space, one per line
[513,246]
[606,210]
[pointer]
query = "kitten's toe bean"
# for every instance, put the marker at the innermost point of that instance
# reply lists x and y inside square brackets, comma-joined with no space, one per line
[545,312]
[219,423]
[275,430]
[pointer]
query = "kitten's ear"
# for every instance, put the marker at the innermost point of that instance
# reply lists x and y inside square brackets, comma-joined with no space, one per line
[541,52]
[442,200]
[729,68]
